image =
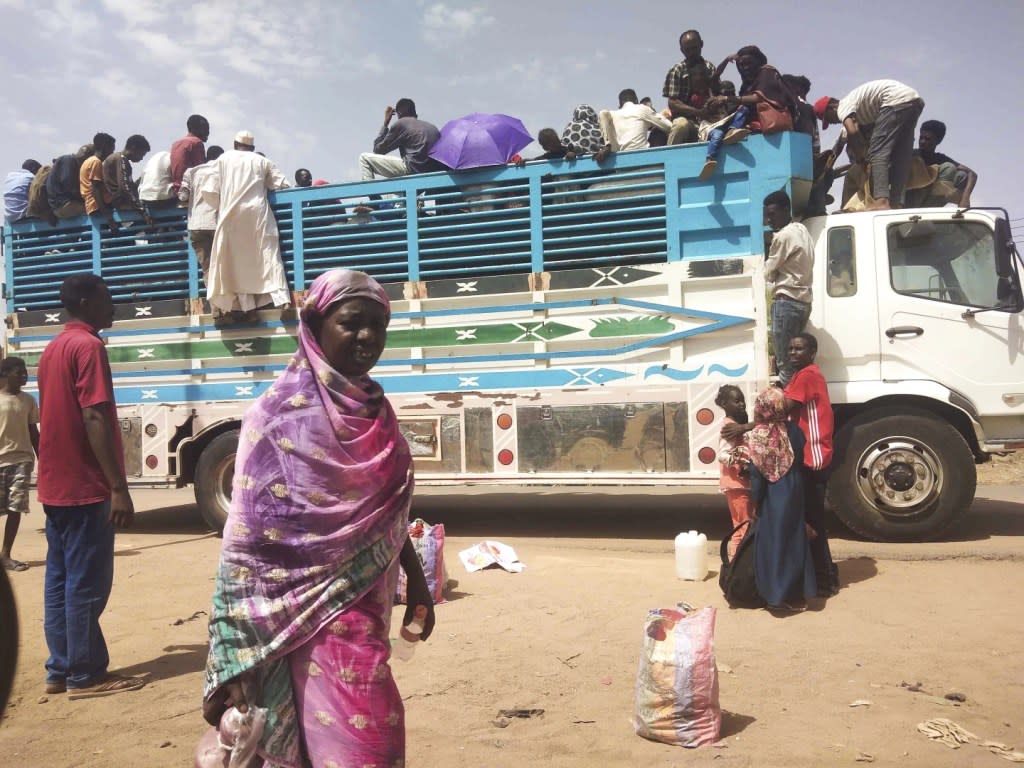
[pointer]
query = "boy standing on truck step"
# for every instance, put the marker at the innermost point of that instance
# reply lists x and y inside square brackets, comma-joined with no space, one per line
[19,445]
[202,217]
[84,492]
[788,268]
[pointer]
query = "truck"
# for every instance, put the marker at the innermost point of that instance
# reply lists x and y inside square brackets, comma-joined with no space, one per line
[570,323]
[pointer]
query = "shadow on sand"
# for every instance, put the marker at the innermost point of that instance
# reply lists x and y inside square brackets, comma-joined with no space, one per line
[177,660]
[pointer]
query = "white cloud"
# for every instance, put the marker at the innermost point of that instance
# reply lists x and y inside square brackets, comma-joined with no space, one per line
[139,13]
[159,45]
[372,62]
[443,23]
[67,17]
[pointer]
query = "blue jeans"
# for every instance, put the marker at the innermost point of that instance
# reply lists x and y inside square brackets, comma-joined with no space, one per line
[79,574]
[739,120]
[788,319]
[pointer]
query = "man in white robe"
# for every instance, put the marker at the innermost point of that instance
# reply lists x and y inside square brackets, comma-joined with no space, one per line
[246,271]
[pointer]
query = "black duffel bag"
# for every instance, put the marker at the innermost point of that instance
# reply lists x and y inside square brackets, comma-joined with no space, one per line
[736,577]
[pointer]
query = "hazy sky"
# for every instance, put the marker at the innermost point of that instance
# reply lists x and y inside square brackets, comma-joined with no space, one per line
[311,78]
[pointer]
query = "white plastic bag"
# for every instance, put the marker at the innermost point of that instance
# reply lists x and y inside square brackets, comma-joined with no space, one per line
[677,683]
[233,744]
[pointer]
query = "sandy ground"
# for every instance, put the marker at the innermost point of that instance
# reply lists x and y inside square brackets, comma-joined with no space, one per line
[565,636]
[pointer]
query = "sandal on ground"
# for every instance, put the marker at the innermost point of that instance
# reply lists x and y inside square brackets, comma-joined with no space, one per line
[788,607]
[14,565]
[54,688]
[110,685]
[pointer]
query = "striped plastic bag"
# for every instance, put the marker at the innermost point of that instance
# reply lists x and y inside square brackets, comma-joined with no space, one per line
[677,683]
[428,541]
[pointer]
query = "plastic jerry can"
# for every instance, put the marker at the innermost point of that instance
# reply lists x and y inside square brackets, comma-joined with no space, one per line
[691,556]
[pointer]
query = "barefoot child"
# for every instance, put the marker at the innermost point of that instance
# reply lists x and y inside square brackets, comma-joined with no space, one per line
[733,457]
[19,444]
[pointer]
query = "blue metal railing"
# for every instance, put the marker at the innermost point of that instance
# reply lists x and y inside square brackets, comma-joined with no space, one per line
[638,207]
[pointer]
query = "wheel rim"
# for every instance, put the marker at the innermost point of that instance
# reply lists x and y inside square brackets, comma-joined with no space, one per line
[223,476]
[900,476]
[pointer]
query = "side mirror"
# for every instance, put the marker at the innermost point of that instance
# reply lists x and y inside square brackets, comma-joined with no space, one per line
[1004,249]
[1008,295]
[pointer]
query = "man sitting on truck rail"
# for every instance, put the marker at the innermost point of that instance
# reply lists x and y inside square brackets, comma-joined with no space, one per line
[412,137]
[685,117]
[878,120]
[118,178]
[63,185]
[789,267]
[90,178]
[625,128]
[16,187]
[950,171]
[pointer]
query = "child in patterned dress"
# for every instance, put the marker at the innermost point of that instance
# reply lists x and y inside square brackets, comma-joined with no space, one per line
[733,458]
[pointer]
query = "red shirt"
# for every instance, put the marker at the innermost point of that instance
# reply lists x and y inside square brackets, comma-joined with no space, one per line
[814,416]
[74,374]
[186,153]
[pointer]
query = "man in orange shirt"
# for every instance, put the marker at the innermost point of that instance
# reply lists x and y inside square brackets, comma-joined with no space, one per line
[90,178]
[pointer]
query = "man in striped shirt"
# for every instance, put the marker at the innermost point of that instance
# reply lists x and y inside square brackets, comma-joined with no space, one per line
[809,406]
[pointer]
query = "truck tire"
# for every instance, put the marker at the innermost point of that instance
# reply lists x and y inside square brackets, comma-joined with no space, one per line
[901,474]
[215,471]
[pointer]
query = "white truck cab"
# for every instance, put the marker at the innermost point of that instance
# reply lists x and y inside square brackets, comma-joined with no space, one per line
[918,319]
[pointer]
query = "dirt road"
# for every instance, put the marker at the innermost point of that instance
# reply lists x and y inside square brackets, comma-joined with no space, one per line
[564,636]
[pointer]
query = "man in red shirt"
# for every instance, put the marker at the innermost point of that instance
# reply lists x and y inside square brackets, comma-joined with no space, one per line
[190,151]
[84,492]
[809,406]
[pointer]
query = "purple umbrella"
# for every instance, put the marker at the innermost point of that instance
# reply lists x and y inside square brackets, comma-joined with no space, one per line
[479,139]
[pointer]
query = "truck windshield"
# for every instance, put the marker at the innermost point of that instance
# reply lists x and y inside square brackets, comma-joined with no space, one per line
[950,261]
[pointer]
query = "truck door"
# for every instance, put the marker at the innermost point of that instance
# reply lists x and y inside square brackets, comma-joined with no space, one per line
[844,313]
[937,267]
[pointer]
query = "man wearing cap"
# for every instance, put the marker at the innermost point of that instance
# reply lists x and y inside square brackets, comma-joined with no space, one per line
[878,119]
[246,271]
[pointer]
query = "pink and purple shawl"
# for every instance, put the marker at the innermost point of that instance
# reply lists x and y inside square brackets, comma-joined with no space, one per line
[319,511]
[770,449]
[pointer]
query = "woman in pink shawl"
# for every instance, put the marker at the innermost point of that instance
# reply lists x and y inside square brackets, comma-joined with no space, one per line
[783,567]
[317,528]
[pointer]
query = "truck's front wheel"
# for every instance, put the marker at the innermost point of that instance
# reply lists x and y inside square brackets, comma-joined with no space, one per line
[215,471]
[901,474]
